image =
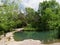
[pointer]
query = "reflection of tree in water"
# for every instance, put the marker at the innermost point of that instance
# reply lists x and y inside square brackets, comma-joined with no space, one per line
[45,36]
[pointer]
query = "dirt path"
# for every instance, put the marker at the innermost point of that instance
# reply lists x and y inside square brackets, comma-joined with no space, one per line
[9,40]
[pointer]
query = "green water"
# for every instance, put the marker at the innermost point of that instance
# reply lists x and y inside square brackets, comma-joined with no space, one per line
[45,36]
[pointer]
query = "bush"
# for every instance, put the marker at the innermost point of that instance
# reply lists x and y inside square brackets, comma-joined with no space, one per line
[9,18]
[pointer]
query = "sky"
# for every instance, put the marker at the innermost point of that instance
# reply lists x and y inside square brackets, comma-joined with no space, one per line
[29,3]
[32,3]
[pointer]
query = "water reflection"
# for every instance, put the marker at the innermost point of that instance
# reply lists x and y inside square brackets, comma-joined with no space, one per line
[49,36]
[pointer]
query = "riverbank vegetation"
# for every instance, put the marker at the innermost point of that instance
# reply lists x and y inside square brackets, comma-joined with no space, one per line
[47,18]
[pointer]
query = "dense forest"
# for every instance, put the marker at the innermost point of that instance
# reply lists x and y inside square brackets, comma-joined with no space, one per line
[47,17]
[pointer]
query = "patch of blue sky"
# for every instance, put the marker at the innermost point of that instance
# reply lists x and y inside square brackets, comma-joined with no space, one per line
[28,3]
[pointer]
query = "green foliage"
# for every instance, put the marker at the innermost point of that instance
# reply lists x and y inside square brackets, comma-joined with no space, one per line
[50,18]
[9,18]
[46,18]
[29,28]
[30,16]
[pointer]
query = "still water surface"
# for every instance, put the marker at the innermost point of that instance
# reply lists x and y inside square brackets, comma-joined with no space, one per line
[49,36]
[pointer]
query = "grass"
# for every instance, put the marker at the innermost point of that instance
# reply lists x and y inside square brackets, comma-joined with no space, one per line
[29,28]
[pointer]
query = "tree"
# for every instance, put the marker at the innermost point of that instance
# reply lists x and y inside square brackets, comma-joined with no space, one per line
[9,17]
[32,18]
[30,14]
[49,15]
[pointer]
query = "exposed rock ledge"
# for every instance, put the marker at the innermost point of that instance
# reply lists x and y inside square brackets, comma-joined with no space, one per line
[9,40]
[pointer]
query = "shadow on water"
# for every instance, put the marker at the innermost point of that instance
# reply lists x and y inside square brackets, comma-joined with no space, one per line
[42,36]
